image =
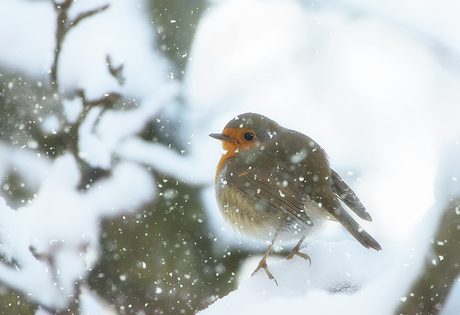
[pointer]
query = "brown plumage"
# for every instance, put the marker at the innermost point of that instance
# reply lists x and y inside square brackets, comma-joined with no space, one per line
[275,184]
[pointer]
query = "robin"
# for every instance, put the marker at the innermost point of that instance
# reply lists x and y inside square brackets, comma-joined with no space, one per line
[275,184]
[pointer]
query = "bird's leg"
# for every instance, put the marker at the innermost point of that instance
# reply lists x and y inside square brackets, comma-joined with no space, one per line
[263,261]
[295,251]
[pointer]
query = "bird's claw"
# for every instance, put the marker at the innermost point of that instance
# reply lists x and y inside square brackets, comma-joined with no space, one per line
[297,253]
[263,265]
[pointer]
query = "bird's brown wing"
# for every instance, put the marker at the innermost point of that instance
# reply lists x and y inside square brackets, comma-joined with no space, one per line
[348,196]
[277,187]
[270,193]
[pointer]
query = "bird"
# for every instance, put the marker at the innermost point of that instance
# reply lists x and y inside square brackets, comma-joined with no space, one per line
[275,184]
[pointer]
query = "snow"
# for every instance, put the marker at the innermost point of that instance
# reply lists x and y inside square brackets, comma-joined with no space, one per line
[24,48]
[163,159]
[124,33]
[375,84]
[73,109]
[50,125]
[91,303]
[29,165]
[74,219]
[312,288]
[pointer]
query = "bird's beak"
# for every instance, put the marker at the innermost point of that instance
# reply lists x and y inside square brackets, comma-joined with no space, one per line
[221,137]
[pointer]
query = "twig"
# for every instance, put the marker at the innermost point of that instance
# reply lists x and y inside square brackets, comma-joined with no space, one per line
[87,14]
[63,26]
[115,72]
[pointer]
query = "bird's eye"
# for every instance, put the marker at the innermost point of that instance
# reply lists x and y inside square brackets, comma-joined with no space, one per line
[248,136]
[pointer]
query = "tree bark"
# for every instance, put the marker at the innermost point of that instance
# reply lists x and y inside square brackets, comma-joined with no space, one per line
[429,292]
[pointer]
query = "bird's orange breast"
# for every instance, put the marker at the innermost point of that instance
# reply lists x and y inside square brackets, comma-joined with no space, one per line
[231,148]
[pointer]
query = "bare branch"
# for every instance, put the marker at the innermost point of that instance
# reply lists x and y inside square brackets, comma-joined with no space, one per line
[63,26]
[115,72]
[88,14]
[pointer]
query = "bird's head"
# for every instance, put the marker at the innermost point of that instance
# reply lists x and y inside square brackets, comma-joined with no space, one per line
[246,132]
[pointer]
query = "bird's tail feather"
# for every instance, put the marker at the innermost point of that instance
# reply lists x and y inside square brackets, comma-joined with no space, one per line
[355,229]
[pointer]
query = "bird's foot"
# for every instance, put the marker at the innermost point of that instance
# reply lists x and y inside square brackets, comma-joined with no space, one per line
[263,265]
[296,252]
